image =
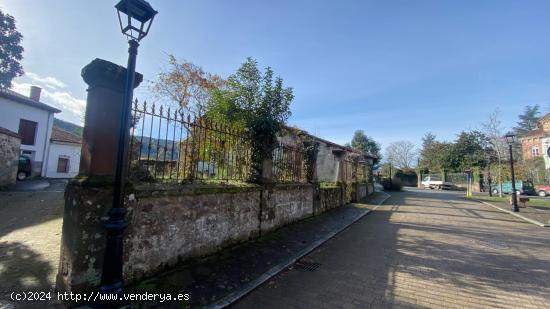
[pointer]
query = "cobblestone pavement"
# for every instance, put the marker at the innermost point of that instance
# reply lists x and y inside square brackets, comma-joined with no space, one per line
[422,249]
[30,234]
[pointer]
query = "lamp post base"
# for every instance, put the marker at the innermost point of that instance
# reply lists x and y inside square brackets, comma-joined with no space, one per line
[515,202]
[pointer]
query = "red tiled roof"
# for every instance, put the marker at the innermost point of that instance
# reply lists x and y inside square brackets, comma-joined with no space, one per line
[63,136]
[534,133]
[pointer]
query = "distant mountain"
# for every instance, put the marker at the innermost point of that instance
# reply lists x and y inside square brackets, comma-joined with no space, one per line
[160,147]
[68,126]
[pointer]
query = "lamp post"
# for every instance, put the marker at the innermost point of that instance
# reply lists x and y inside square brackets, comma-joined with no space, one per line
[511,139]
[139,17]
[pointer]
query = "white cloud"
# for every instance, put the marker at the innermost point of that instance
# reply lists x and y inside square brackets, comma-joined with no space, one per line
[47,81]
[72,108]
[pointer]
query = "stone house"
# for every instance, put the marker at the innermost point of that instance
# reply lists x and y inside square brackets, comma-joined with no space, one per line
[536,142]
[32,120]
[10,143]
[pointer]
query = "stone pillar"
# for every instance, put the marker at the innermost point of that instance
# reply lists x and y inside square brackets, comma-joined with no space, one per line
[102,121]
[89,197]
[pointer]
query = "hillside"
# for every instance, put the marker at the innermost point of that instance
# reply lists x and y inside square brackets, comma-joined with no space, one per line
[68,126]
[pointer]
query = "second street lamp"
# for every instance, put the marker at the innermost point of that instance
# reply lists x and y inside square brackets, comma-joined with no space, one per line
[139,16]
[511,139]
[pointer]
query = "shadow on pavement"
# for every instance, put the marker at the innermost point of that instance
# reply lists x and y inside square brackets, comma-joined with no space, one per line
[422,249]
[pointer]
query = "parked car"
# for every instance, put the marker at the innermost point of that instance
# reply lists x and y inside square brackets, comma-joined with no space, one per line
[543,190]
[435,182]
[25,167]
[522,187]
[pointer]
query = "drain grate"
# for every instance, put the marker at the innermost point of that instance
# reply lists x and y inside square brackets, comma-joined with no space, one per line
[307,266]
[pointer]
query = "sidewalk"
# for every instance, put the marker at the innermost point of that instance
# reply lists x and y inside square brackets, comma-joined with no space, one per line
[533,213]
[217,281]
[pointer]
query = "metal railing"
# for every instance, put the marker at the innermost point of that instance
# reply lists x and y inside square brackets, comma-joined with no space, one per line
[288,164]
[167,145]
[355,171]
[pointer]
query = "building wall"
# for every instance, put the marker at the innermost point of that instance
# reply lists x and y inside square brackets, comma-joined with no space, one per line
[12,112]
[527,144]
[9,158]
[327,164]
[70,151]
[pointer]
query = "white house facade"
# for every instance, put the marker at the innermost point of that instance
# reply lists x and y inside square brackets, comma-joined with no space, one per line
[64,155]
[32,120]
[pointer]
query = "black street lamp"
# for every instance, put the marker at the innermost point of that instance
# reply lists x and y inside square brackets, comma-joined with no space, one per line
[140,15]
[511,139]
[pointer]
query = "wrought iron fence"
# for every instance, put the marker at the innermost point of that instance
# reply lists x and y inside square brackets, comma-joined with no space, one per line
[288,164]
[349,172]
[355,171]
[168,145]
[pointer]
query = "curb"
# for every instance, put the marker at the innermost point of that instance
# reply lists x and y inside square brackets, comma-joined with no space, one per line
[249,287]
[512,213]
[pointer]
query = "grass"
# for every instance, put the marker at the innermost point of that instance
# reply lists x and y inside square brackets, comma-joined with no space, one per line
[507,200]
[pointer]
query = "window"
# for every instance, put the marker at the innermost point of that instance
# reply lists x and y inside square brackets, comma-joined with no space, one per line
[535,151]
[63,165]
[27,130]
[28,153]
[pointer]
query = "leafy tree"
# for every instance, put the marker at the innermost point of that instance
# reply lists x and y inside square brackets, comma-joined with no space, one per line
[11,51]
[259,102]
[469,151]
[431,149]
[186,85]
[401,154]
[528,120]
[428,140]
[366,144]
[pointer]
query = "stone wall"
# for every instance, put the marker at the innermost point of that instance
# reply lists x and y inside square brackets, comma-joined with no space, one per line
[362,191]
[169,224]
[286,203]
[330,197]
[166,228]
[9,156]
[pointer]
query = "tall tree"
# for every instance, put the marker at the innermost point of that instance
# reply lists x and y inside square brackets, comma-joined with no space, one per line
[494,131]
[431,153]
[186,85]
[366,144]
[11,51]
[428,140]
[401,154]
[469,150]
[528,120]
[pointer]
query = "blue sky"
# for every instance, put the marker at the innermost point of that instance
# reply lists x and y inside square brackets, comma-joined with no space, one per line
[395,69]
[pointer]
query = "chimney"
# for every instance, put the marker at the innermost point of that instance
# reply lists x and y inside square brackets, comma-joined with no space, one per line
[35,93]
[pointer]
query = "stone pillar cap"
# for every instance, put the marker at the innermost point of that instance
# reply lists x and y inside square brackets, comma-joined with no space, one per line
[104,73]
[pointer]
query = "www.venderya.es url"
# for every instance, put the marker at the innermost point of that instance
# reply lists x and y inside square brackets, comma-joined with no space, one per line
[98,297]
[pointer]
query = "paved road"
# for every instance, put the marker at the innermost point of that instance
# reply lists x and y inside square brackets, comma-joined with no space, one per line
[30,234]
[423,249]
[39,185]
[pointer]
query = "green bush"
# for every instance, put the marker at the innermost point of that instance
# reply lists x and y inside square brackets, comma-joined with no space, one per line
[394,185]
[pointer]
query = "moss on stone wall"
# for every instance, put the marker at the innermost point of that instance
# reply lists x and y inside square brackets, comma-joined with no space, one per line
[159,189]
